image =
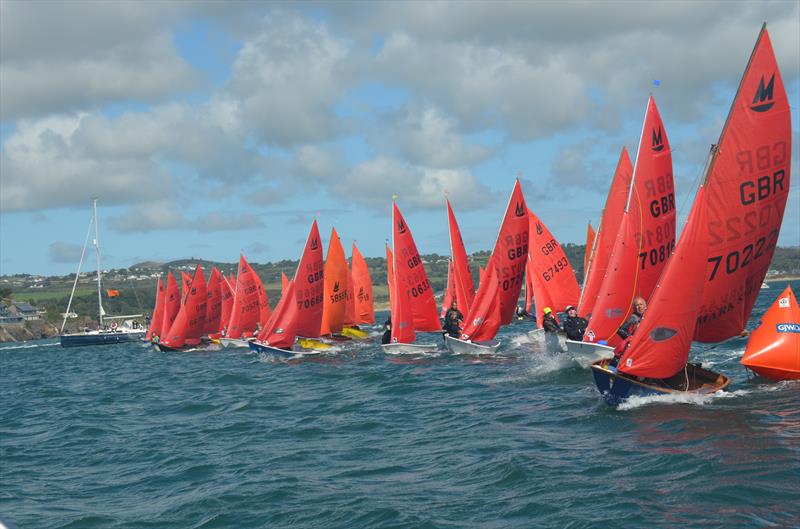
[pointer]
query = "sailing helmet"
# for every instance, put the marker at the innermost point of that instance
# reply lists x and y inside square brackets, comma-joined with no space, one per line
[547,310]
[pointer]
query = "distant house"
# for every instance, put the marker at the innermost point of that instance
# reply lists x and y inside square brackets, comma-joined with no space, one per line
[24,310]
[6,316]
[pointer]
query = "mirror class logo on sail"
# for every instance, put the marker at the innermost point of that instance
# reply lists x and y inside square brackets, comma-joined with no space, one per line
[763,99]
[658,142]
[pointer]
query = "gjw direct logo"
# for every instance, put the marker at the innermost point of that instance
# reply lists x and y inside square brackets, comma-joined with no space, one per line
[763,100]
[788,327]
[658,140]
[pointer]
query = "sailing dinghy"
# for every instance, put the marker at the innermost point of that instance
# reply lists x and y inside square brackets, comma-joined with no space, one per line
[360,291]
[773,350]
[551,279]
[408,283]
[644,241]
[309,281]
[188,328]
[246,311]
[482,321]
[717,268]
[278,335]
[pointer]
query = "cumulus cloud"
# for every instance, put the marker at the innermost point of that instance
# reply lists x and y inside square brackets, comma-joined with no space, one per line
[72,56]
[166,216]
[427,136]
[287,79]
[62,252]
[378,179]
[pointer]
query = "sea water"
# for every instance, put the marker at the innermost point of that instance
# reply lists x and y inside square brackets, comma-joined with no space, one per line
[125,436]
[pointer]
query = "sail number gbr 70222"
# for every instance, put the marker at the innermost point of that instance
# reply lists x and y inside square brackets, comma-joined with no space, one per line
[740,259]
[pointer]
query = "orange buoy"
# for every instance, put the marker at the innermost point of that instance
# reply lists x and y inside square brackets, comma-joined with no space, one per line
[773,350]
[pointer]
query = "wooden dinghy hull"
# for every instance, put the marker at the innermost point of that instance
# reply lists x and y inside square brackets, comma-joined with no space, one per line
[616,387]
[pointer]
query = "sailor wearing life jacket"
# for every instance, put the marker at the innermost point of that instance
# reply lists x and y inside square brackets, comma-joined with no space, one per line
[628,328]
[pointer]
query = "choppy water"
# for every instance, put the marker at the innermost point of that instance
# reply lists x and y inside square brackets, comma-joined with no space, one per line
[124,436]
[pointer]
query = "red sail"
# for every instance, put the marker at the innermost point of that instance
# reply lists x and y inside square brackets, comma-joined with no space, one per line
[450,291]
[590,233]
[660,346]
[284,282]
[190,322]
[186,281]
[172,304]
[410,276]
[213,302]
[245,311]
[310,286]
[646,237]
[263,302]
[350,307]
[748,184]
[773,350]
[554,283]
[335,301]
[511,253]
[362,287]
[227,303]
[464,288]
[528,286]
[484,319]
[607,231]
[399,305]
[158,311]
[281,328]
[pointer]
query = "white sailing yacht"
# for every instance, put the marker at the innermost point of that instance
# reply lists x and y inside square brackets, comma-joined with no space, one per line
[104,334]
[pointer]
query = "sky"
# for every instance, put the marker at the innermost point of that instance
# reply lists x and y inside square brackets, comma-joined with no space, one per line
[206,129]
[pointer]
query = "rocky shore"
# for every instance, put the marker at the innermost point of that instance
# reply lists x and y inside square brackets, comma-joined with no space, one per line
[28,330]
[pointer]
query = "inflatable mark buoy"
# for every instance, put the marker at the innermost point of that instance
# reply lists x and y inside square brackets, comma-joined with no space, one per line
[773,350]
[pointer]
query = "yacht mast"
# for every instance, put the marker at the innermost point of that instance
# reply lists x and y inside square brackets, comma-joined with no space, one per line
[97,253]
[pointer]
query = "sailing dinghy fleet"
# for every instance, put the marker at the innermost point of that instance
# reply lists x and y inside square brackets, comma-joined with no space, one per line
[701,287]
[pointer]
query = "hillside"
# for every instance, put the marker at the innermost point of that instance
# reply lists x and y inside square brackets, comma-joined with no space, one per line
[137,284]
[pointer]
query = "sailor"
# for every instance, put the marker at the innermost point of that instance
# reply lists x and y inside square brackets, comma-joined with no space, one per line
[549,321]
[627,329]
[574,325]
[387,330]
[551,329]
[452,320]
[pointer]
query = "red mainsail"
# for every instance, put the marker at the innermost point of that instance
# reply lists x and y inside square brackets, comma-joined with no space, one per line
[748,184]
[334,303]
[553,279]
[646,237]
[510,253]
[172,304]
[213,302]
[245,311]
[607,232]
[410,276]
[158,311]
[362,288]
[190,322]
[464,287]
[309,286]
